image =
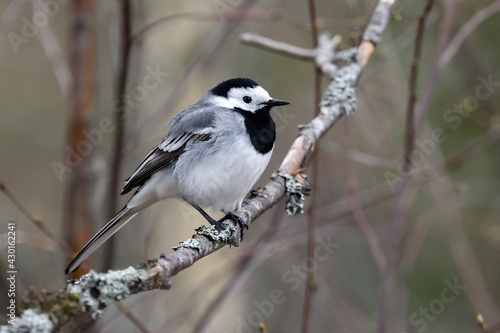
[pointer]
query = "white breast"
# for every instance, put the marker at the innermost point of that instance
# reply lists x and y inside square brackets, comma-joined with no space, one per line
[222,178]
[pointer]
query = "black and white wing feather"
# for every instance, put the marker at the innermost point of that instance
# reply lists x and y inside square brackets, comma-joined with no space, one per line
[193,125]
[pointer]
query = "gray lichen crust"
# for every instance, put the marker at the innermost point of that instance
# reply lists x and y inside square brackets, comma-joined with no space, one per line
[189,244]
[295,191]
[211,232]
[340,96]
[97,290]
[30,322]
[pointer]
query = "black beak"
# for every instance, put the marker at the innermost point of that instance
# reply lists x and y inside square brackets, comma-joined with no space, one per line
[276,102]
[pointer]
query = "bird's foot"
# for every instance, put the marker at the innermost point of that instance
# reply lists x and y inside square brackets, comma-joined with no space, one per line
[235,218]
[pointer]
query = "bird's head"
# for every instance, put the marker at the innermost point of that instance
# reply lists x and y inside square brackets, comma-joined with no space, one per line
[243,94]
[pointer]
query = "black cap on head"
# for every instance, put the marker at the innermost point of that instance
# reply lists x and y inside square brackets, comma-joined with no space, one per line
[223,88]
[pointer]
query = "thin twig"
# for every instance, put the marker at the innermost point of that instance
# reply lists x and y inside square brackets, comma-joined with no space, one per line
[440,59]
[356,208]
[492,328]
[359,156]
[126,32]
[278,47]
[133,319]
[310,286]
[341,208]
[242,273]
[55,55]
[470,272]
[450,216]
[35,219]
[410,110]
[397,46]
[428,87]
[414,243]
[471,150]
[239,15]
[466,30]
[388,276]
[196,296]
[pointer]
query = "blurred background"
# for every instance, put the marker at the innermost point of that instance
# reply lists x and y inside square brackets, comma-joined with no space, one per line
[395,251]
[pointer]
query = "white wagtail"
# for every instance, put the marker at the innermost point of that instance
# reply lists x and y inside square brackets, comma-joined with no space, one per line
[214,153]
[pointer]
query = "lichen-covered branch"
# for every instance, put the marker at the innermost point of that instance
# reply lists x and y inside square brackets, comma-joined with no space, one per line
[93,292]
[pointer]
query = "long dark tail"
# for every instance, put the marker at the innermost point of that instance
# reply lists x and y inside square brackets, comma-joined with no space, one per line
[107,231]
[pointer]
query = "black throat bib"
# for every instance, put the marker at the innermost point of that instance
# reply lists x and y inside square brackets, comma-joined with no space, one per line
[260,128]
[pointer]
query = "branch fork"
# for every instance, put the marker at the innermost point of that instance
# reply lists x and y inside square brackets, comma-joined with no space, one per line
[324,56]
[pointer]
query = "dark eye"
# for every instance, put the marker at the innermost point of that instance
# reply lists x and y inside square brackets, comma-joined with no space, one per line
[247,99]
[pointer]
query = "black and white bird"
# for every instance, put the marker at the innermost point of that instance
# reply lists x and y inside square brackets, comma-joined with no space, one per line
[214,153]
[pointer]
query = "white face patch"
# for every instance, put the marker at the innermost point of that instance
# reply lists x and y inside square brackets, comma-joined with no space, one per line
[248,99]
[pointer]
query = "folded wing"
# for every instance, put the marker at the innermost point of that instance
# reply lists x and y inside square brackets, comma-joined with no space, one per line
[193,127]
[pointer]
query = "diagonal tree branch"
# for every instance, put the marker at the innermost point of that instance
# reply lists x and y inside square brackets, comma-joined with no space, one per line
[466,29]
[93,292]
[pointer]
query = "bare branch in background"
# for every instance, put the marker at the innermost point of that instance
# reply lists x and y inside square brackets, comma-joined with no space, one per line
[357,209]
[77,216]
[310,285]
[119,140]
[485,327]
[466,30]
[249,16]
[55,54]
[278,47]
[444,33]
[243,272]
[412,99]
[36,220]
[136,322]
[388,274]
[468,267]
